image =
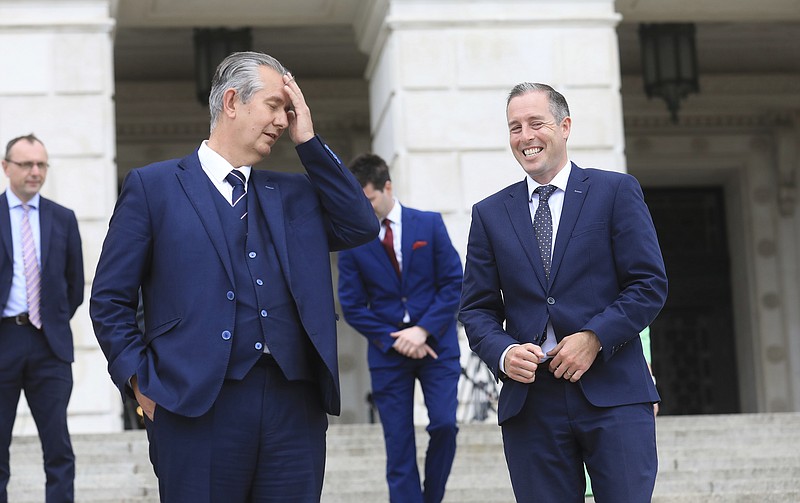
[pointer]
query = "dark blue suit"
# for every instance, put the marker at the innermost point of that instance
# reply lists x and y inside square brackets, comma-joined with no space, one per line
[374,301]
[39,361]
[167,236]
[607,276]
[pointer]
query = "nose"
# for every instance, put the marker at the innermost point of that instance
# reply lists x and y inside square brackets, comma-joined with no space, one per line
[281,119]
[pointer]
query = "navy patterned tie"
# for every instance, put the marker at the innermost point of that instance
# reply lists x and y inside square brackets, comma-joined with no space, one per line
[543,225]
[236,179]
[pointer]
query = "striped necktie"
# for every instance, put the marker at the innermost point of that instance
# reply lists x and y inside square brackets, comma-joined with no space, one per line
[33,276]
[236,179]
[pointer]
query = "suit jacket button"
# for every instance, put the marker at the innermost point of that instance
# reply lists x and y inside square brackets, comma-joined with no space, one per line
[551,300]
[252,254]
[259,346]
[259,282]
[230,295]
[226,335]
[263,313]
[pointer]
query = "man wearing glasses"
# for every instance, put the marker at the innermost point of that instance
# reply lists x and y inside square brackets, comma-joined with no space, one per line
[41,287]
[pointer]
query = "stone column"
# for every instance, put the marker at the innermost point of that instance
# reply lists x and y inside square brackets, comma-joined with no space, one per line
[57,82]
[439,74]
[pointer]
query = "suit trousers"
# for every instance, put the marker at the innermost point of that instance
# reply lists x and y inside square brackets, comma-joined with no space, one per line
[263,441]
[27,363]
[393,392]
[558,430]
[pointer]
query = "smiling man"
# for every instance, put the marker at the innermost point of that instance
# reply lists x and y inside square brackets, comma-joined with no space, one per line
[236,367]
[563,271]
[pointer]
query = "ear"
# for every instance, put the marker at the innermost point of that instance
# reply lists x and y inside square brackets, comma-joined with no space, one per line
[566,126]
[229,100]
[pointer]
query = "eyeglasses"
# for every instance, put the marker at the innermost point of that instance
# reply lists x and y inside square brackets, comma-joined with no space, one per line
[28,165]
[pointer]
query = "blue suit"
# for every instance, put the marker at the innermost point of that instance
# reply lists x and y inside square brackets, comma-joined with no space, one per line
[607,276]
[39,361]
[374,301]
[167,237]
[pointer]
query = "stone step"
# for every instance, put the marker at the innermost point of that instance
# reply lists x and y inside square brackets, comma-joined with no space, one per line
[719,459]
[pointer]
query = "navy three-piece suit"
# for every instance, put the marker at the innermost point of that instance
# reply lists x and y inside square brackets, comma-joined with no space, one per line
[216,289]
[607,276]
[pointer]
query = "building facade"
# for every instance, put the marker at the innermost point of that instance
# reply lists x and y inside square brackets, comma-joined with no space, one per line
[109,85]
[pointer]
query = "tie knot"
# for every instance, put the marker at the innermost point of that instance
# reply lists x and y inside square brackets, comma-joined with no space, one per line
[235,178]
[386,222]
[25,207]
[545,191]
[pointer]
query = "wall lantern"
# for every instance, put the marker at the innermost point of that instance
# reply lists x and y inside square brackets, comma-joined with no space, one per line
[211,46]
[669,62]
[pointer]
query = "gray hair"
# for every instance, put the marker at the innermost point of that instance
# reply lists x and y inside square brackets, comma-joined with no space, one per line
[558,104]
[239,71]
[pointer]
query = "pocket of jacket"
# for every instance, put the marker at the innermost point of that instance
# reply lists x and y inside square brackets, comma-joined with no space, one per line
[159,330]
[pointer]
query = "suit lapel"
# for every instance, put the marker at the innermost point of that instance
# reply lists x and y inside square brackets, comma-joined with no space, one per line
[5,227]
[519,212]
[577,188]
[45,228]
[195,182]
[409,224]
[268,193]
[376,249]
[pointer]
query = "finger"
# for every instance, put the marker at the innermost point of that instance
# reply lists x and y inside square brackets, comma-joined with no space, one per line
[429,350]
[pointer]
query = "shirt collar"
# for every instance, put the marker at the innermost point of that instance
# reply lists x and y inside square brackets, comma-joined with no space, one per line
[216,165]
[560,180]
[14,201]
[395,214]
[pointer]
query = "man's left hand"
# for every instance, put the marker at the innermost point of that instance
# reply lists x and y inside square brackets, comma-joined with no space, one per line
[573,356]
[301,128]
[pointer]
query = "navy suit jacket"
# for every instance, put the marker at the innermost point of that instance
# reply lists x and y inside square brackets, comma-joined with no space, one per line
[61,259]
[374,300]
[166,236]
[607,276]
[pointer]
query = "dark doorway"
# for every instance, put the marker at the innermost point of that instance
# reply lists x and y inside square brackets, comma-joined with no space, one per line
[692,340]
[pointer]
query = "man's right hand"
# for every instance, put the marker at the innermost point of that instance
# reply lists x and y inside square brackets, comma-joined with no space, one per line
[521,362]
[148,406]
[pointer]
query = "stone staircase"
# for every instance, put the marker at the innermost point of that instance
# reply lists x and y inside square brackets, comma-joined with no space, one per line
[744,458]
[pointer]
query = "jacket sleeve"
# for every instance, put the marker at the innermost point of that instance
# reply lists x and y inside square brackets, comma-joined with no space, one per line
[355,303]
[639,268]
[482,309]
[349,218]
[76,282]
[447,280]
[115,291]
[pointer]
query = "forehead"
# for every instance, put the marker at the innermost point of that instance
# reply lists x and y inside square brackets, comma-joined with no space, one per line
[28,149]
[529,105]
[272,83]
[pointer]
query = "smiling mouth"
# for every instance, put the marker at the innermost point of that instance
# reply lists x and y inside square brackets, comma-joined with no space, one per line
[530,152]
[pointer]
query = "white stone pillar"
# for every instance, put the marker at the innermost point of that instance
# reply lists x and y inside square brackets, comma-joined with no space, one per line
[439,75]
[57,81]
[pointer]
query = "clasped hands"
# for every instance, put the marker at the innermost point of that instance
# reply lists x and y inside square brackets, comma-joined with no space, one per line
[412,343]
[570,359]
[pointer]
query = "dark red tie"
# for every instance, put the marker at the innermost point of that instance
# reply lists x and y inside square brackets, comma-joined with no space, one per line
[388,245]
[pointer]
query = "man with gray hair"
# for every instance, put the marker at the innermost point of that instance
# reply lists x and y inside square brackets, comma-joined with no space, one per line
[563,271]
[237,366]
